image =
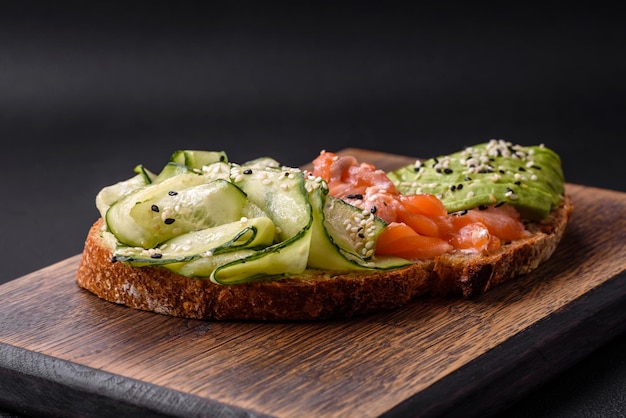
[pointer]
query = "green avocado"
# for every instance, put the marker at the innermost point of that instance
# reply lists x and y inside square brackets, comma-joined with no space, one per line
[530,178]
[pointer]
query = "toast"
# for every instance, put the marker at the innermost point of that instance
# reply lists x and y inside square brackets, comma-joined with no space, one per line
[316,294]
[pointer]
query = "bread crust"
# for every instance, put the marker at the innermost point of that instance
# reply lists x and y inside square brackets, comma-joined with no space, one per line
[317,294]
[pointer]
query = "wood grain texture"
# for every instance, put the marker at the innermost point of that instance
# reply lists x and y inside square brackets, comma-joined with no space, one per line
[58,339]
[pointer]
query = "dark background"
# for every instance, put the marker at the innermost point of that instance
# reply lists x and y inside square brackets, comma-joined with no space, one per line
[86,93]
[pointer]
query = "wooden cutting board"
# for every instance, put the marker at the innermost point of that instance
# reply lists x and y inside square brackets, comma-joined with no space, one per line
[64,351]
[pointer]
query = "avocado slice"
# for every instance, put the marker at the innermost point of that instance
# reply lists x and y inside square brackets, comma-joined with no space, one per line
[530,178]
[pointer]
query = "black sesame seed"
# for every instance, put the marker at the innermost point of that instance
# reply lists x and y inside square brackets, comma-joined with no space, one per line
[355,196]
[467,178]
[373,209]
[222,158]
[169,221]
[536,167]
[286,174]
[438,170]
[453,187]
[499,204]
[172,193]
[156,255]
[460,186]
[522,169]
[482,207]
[154,208]
[448,171]
[361,235]
[508,189]
[248,171]
[518,183]
[501,171]
[463,212]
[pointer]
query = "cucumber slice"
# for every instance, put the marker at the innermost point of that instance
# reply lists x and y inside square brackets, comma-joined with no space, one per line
[172,170]
[176,205]
[109,195]
[282,259]
[352,229]
[202,267]
[280,193]
[262,162]
[196,159]
[247,233]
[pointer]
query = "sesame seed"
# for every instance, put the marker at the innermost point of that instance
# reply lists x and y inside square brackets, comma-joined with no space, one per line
[248,171]
[355,196]
[154,208]
[172,193]
[169,221]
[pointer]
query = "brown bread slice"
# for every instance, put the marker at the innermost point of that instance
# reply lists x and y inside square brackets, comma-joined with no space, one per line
[317,294]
